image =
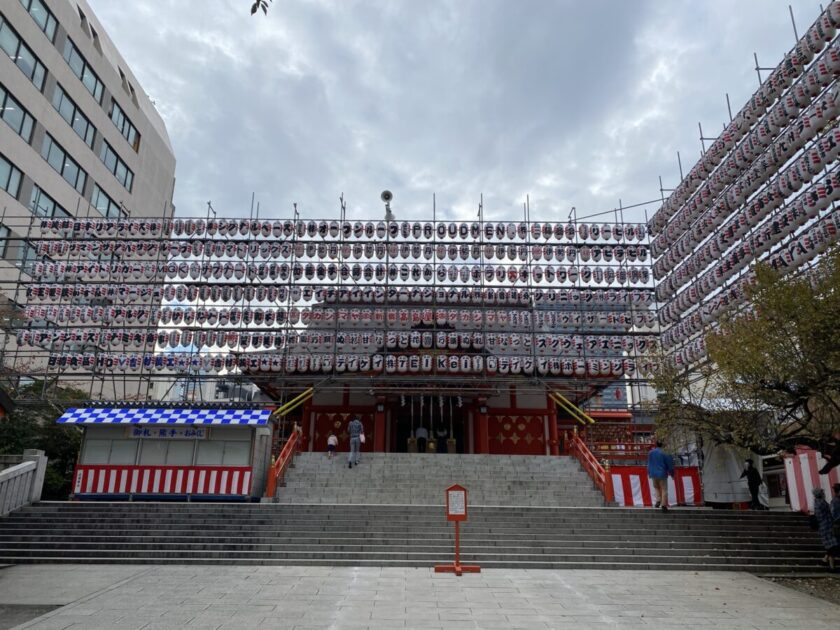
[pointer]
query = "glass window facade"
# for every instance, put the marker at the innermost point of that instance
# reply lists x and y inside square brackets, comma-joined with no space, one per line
[4,240]
[14,115]
[114,163]
[125,126]
[82,70]
[21,54]
[42,205]
[28,257]
[42,15]
[105,205]
[66,166]
[74,117]
[9,177]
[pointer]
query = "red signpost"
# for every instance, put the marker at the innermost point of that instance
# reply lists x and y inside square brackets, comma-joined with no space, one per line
[456,510]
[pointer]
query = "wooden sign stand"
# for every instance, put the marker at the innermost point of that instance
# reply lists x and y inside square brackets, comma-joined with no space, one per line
[456,510]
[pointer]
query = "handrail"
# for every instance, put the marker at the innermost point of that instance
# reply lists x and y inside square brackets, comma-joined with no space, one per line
[577,413]
[16,486]
[598,473]
[620,448]
[294,403]
[277,470]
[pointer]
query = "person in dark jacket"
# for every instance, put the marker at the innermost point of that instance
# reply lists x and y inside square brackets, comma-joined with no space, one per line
[753,483]
[660,467]
[825,525]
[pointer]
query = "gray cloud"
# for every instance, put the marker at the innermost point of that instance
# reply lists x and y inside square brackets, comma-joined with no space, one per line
[573,103]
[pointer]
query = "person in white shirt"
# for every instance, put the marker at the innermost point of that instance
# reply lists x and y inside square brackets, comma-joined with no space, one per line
[332,444]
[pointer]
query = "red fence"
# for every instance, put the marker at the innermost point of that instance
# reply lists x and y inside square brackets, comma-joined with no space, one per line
[620,451]
[631,486]
[578,448]
[802,473]
[194,480]
[278,469]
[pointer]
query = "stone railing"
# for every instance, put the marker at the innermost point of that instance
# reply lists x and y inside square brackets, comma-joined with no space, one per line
[21,483]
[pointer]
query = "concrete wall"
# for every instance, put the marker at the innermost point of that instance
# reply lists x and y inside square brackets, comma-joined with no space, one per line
[153,164]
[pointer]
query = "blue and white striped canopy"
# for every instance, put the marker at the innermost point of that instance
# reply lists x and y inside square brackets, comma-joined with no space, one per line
[123,415]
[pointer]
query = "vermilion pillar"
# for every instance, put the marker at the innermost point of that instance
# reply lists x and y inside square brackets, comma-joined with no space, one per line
[379,426]
[553,439]
[482,433]
[307,425]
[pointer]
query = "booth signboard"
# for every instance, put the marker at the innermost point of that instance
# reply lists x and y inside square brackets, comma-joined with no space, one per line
[168,433]
[456,503]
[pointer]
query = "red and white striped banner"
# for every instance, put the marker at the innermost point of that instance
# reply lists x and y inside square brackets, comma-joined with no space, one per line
[208,480]
[802,474]
[631,486]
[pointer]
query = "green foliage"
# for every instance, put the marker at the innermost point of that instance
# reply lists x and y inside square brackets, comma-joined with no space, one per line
[32,425]
[774,377]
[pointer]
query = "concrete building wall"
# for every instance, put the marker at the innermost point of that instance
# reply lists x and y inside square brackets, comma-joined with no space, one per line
[151,160]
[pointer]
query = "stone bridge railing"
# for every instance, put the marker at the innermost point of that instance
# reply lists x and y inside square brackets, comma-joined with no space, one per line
[21,483]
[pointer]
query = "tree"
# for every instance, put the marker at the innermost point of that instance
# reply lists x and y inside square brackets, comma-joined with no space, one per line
[32,425]
[260,4]
[773,377]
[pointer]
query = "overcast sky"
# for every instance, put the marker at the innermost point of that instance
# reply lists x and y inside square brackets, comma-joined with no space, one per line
[575,103]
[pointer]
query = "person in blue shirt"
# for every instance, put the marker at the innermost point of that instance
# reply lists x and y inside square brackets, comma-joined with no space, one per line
[660,467]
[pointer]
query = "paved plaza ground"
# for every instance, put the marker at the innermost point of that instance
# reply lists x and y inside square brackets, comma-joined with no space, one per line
[309,598]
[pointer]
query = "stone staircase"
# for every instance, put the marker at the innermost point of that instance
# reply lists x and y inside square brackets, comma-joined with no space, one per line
[420,479]
[412,535]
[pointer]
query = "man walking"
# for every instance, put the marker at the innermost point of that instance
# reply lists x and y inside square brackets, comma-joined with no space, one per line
[354,430]
[753,483]
[660,467]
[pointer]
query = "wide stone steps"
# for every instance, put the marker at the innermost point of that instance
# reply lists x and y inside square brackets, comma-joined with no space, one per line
[348,535]
[419,479]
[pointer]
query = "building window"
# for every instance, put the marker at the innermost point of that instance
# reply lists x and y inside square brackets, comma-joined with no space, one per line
[21,54]
[28,257]
[74,117]
[82,70]
[42,15]
[105,205]
[114,164]
[122,123]
[15,115]
[9,177]
[4,240]
[66,166]
[42,205]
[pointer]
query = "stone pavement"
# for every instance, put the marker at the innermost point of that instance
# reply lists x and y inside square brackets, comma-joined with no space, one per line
[310,598]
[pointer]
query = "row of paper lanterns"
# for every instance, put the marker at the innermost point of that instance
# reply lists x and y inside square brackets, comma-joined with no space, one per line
[810,163]
[768,207]
[284,273]
[369,230]
[375,364]
[797,214]
[268,317]
[368,252]
[821,234]
[771,89]
[344,342]
[805,248]
[224,293]
[761,157]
